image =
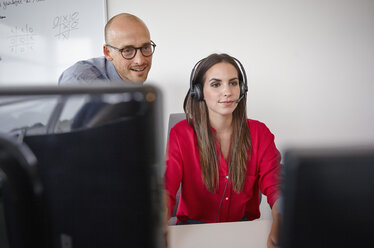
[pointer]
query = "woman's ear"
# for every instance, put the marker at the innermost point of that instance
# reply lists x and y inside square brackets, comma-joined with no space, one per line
[106,52]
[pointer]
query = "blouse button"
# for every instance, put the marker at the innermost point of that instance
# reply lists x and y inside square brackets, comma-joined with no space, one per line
[227,198]
[227,177]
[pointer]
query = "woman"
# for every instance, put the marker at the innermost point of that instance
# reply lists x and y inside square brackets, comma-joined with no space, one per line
[221,158]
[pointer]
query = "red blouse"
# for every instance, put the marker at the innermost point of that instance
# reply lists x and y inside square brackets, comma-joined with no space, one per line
[196,202]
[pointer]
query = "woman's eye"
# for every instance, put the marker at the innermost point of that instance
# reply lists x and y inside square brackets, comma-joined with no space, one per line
[215,85]
[234,83]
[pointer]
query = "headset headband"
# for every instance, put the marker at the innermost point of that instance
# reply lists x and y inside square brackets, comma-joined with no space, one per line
[194,91]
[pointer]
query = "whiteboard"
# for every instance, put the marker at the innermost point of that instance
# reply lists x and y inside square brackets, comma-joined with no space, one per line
[41,38]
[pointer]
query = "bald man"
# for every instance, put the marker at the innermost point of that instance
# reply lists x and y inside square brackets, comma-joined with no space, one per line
[127,55]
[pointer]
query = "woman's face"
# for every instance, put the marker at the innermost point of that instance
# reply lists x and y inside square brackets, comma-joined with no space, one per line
[221,89]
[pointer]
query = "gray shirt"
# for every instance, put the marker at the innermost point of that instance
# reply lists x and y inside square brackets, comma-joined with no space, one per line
[86,72]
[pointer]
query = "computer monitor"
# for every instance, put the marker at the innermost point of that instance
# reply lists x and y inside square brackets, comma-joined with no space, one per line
[99,158]
[328,197]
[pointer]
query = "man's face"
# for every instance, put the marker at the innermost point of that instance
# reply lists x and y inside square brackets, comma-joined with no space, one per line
[124,33]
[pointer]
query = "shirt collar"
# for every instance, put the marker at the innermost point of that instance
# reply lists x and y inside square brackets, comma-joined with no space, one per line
[112,72]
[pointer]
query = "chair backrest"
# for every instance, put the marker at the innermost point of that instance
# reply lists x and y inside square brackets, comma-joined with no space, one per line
[174,118]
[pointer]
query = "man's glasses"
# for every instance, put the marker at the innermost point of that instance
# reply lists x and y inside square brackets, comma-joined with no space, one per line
[130,51]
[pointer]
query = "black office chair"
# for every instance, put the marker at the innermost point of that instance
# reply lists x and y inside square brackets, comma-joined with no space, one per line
[20,197]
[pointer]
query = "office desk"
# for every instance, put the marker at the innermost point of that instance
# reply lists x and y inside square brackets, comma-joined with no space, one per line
[230,234]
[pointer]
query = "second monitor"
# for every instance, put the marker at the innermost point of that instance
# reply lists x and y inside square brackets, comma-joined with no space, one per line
[328,197]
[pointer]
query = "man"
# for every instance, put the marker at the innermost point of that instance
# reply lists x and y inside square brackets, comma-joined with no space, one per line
[128,53]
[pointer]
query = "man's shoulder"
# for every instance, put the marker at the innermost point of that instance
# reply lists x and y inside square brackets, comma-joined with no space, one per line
[97,61]
[84,70]
[93,63]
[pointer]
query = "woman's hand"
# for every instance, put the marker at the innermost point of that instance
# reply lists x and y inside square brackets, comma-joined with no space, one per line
[273,239]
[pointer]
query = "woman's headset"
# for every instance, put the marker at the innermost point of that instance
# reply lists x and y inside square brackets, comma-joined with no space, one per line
[196,88]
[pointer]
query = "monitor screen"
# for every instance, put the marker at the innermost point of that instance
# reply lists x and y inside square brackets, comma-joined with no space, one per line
[328,197]
[98,154]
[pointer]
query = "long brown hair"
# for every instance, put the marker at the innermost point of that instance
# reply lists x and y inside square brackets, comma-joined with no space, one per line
[197,116]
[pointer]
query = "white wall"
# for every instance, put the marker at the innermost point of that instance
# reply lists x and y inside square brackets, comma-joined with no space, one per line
[310,64]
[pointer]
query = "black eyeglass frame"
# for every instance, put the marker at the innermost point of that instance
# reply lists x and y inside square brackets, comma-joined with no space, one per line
[136,50]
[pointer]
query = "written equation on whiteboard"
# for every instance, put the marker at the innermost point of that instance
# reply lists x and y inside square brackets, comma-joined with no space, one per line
[64,25]
[21,39]
[4,4]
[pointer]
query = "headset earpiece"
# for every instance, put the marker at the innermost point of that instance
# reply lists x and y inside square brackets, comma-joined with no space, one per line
[244,84]
[242,88]
[197,92]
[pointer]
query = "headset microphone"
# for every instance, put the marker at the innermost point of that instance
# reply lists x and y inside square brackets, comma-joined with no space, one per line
[240,98]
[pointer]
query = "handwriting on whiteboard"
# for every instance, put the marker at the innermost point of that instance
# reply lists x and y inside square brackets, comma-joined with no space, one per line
[65,24]
[7,3]
[21,39]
